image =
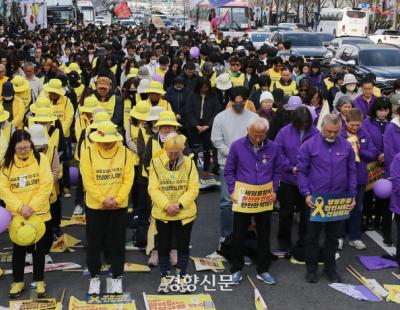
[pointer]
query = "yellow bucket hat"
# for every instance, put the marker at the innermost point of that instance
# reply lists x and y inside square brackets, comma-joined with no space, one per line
[89,104]
[43,114]
[106,132]
[4,115]
[20,84]
[54,86]
[73,66]
[26,232]
[155,87]
[167,118]
[141,110]
[41,102]
[98,118]
[133,72]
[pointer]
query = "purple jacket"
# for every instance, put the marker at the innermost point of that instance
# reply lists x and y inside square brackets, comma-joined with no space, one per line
[326,168]
[361,104]
[395,175]
[245,166]
[368,152]
[375,129]
[391,143]
[289,143]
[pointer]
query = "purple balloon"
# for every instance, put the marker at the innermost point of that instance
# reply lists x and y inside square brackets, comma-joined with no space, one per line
[383,188]
[194,52]
[158,78]
[73,175]
[5,219]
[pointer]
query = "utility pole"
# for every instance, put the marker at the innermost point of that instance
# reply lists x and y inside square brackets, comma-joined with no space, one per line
[396,5]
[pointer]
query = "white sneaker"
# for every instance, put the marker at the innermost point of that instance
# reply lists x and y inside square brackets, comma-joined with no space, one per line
[358,244]
[29,259]
[215,255]
[94,286]
[48,259]
[78,210]
[116,286]
[340,245]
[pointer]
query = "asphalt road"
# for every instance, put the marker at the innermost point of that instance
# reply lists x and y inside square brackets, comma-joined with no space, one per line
[291,292]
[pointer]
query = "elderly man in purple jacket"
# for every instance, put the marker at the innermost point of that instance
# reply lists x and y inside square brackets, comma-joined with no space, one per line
[253,160]
[289,139]
[367,97]
[325,165]
[395,199]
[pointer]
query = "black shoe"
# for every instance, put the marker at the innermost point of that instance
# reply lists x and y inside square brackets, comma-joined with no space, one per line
[312,277]
[387,242]
[370,224]
[333,277]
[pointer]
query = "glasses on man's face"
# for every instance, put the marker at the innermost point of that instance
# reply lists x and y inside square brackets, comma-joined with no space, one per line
[235,65]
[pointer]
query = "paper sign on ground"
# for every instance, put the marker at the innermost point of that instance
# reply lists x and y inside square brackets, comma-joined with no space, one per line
[64,243]
[178,302]
[208,264]
[359,292]
[74,220]
[76,304]
[37,304]
[377,262]
[128,267]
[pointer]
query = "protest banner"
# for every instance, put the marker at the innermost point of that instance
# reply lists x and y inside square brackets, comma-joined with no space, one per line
[74,220]
[330,207]
[249,198]
[64,243]
[76,304]
[35,304]
[5,258]
[213,264]
[128,267]
[177,302]
[376,171]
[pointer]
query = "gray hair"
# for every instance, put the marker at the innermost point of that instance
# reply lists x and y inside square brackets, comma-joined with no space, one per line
[258,122]
[331,119]
[29,64]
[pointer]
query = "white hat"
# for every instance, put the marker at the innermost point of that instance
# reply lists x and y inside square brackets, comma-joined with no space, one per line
[266,95]
[349,79]
[38,134]
[240,48]
[224,82]
[229,49]
[175,43]
[143,85]
[154,113]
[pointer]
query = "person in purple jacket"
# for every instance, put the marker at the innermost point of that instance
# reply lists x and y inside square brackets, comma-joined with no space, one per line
[253,160]
[367,97]
[365,152]
[391,139]
[375,125]
[395,199]
[325,165]
[289,139]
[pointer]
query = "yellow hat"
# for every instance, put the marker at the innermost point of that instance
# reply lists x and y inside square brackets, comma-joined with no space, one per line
[155,87]
[141,110]
[4,115]
[54,86]
[73,66]
[99,118]
[167,118]
[43,114]
[42,101]
[133,72]
[26,232]
[89,104]
[20,84]
[106,132]
[175,141]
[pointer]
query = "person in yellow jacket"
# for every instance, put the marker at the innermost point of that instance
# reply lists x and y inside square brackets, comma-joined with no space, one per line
[106,168]
[6,131]
[74,72]
[285,83]
[26,184]
[276,70]
[237,77]
[207,71]
[12,104]
[22,90]
[173,188]
[85,115]
[155,92]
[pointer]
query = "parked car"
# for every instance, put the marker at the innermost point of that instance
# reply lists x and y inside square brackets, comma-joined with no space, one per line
[293,26]
[338,42]
[381,59]
[259,38]
[100,20]
[274,28]
[311,45]
[386,36]
[127,22]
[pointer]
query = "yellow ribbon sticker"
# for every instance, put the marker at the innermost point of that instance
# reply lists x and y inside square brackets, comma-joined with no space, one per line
[319,207]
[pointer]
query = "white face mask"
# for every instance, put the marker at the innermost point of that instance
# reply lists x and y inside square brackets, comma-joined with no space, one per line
[153,62]
[329,140]
[351,87]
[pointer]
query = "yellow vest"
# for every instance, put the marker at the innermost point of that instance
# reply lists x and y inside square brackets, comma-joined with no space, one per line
[377,91]
[127,112]
[50,153]
[213,79]
[29,181]
[64,111]
[54,140]
[237,81]
[80,123]
[288,90]
[173,184]
[162,103]
[329,84]
[26,97]
[5,136]
[134,130]
[160,72]
[274,76]
[109,105]
[79,91]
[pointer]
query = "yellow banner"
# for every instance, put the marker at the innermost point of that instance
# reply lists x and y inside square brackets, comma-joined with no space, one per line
[375,172]
[252,198]
[213,264]
[75,304]
[176,302]
[37,304]
[355,144]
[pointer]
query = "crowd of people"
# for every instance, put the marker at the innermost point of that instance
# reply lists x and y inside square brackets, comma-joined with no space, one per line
[137,110]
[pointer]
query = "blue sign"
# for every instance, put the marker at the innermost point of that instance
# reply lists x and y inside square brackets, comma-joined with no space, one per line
[218,3]
[330,207]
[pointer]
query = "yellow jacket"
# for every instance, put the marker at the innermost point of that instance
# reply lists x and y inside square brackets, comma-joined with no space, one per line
[107,174]
[64,111]
[27,183]
[26,98]
[184,188]
[288,90]
[81,123]
[274,76]
[2,81]
[18,111]
[79,91]
[162,103]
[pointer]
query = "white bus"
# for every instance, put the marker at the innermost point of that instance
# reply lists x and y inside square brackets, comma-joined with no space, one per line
[344,22]
[87,9]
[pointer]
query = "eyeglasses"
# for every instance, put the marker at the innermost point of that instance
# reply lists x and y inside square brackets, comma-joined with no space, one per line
[22,148]
[235,65]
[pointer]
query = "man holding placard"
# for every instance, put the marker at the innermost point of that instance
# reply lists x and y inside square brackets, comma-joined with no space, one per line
[327,177]
[252,175]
